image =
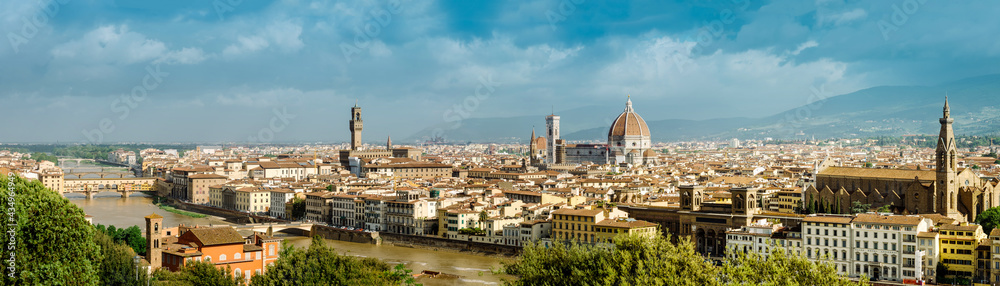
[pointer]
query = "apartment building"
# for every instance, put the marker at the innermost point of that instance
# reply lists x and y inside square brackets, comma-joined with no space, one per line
[199,184]
[318,206]
[828,238]
[279,198]
[605,231]
[342,210]
[411,217]
[786,201]
[576,224]
[958,249]
[374,213]
[878,246]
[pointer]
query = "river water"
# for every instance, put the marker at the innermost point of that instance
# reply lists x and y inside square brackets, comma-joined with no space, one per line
[111,209]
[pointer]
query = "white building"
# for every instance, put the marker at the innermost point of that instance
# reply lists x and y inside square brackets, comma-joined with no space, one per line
[753,238]
[278,199]
[878,246]
[828,237]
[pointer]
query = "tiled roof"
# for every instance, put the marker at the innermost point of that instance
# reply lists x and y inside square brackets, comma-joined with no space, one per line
[828,219]
[924,175]
[888,219]
[216,235]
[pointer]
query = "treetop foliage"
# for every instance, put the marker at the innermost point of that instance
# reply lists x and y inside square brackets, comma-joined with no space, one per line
[637,260]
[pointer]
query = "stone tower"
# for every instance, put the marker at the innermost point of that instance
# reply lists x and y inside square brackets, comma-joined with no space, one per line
[154,255]
[388,143]
[691,197]
[947,189]
[531,148]
[552,127]
[746,201]
[356,124]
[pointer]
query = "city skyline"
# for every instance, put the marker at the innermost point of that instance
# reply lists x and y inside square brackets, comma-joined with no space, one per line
[216,66]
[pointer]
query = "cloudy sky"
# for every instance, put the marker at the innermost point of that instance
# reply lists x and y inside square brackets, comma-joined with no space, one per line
[232,70]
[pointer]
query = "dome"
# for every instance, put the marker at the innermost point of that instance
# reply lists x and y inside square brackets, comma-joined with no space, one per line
[541,143]
[628,123]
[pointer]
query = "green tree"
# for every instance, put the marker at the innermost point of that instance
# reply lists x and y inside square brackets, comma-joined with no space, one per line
[131,236]
[989,219]
[117,266]
[780,268]
[298,208]
[811,205]
[633,260]
[197,273]
[53,240]
[638,260]
[321,265]
[885,208]
[857,207]
[837,209]
[483,216]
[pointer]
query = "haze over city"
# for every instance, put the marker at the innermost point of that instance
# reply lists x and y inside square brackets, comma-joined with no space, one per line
[222,70]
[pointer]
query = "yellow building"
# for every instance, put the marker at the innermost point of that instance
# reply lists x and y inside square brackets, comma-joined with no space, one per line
[578,225]
[958,248]
[788,200]
[606,230]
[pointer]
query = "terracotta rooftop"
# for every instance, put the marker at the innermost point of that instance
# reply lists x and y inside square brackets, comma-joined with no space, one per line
[924,175]
[216,235]
[888,219]
[828,219]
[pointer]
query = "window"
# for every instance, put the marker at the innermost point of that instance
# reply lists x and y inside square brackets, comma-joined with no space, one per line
[222,257]
[236,256]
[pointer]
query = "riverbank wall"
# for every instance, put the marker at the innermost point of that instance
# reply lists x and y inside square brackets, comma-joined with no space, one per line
[430,242]
[333,233]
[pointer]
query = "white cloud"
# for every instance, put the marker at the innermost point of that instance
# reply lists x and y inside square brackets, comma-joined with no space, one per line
[117,45]
[664,68]
[185,56]
[844,17]
[284,35]
[245,45]
[803,46]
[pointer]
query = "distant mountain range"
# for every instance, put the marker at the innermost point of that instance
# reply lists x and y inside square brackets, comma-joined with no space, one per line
[877,111]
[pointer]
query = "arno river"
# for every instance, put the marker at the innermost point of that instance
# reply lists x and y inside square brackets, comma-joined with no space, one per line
[111,209]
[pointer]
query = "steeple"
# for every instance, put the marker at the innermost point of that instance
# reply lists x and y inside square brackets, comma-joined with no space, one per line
[388,143]
[945,156]
[628,104]
[947,109]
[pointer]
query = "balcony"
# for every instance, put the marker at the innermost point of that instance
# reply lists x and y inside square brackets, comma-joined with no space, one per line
[908,265]
[909,239]
[909,251]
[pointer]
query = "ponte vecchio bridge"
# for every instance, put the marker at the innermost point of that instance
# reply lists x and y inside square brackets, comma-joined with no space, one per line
[123,186]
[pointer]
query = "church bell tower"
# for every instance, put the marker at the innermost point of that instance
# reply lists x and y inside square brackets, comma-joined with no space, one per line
[946,165]
[154,254]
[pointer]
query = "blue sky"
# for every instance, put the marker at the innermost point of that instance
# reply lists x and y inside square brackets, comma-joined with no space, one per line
[185,70]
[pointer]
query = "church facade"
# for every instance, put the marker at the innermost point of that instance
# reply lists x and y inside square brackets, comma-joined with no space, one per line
[947,190]
[628,143]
